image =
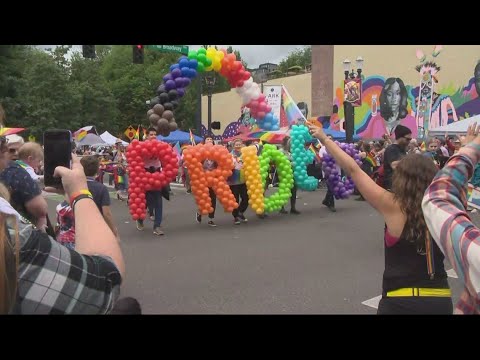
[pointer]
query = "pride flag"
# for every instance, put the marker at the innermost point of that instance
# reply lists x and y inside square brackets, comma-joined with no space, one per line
[192,139]
[290,108]
[372,160]
[315,153]
[178,150]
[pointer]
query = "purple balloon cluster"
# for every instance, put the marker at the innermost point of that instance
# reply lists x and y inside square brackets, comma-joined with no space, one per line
[341,189]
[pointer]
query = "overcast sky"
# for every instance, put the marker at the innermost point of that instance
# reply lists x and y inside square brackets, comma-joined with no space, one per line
[254,55]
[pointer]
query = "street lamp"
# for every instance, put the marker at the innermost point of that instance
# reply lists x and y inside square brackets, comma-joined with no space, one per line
[210,79]
[353,94]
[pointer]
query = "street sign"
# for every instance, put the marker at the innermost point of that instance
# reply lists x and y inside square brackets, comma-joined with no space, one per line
[169,48]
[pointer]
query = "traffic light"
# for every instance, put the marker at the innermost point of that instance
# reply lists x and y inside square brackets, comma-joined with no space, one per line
[88,51]
[138,54]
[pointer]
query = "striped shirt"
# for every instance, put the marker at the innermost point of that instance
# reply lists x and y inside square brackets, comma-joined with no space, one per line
[444,207]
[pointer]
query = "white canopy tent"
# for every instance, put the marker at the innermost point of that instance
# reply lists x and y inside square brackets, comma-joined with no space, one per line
[110,139]
[456,128]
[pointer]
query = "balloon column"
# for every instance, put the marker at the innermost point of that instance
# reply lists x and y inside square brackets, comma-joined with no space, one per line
[285,175]
[253,179]
[301,158]
[181,74]
[341,189]
[141,180]
[216,179]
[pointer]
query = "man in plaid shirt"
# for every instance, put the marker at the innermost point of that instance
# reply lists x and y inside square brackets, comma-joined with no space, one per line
[444,207]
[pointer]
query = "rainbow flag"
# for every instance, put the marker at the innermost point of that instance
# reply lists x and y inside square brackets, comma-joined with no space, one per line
[178,150]
[137,133]
[423,147]
[192,139]
[315,153]
[80,135]
[292,112]
[372,160]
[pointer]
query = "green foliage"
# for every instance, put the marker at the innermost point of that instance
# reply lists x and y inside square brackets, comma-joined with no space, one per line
[60,89]
[299,57]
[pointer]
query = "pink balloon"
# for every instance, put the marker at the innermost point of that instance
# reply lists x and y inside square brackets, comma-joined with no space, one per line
[262,106]
[261,115]
[253,104]
[261,98]
[268,109]
[247,75]
[240,83]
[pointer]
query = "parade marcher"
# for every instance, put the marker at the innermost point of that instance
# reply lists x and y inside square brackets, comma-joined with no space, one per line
[154,197]
[237,183]
[329,200]
[209,165]
[414,280]
[120,171]
[293,199]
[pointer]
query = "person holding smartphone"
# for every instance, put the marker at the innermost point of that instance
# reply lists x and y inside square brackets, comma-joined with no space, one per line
[87,280]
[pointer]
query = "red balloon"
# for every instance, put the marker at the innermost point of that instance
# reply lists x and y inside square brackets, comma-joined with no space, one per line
[261,115]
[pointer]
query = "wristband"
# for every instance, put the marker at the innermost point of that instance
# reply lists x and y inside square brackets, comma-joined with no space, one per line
[77,194]
[78,198]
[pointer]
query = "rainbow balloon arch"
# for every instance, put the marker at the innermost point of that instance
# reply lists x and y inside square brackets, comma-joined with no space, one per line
[180,76]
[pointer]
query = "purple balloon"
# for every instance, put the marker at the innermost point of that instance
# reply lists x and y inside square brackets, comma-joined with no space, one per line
[180,92]
[170,85]
[186,81]
[176,73]
[167,77]
[179,82]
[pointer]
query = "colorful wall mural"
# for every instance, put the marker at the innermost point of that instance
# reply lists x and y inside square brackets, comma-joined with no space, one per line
[448,104]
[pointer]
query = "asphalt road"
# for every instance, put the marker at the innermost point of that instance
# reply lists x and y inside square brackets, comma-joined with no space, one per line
[318,262]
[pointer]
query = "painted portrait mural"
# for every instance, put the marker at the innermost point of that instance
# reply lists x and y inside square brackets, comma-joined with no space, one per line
[387,102]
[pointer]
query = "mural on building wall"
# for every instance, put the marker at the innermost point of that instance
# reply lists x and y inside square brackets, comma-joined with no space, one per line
[389,102]
[448,104]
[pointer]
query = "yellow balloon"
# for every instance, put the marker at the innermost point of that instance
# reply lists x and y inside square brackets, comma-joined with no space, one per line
[209,68]
[217,66]
[220,54]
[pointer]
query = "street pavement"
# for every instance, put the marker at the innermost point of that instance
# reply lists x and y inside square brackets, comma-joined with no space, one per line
[318,262]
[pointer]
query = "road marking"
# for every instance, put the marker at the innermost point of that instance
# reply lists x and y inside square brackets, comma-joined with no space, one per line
[373,302]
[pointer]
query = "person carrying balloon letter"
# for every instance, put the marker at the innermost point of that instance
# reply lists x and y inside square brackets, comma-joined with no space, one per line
[209,165]
[154,197]
[237,184]
[329,200]
[293,199]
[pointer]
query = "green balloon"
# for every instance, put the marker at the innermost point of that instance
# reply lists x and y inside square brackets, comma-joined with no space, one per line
[202,51]
[202,58]
[208,62]
[192,55]
[200,67]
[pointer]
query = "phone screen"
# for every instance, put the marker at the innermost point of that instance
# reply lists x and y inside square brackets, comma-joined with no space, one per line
[57,150]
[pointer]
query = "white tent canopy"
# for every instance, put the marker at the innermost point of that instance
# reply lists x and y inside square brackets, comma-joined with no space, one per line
[110,139]
[455,128]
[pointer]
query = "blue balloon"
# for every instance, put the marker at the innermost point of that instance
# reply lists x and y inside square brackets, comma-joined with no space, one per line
[173,67]
[185,71]
[183,63]
[269,117]
[193,64]
[182,58]
[193,73]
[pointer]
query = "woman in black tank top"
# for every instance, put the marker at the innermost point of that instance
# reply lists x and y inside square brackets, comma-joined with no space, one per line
[414,280]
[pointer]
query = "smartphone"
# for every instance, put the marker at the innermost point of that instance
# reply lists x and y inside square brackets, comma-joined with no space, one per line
[57,151]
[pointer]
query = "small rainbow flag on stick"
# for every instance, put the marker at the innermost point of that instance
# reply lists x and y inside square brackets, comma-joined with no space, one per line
[372,160]
[192,139]
[292,112]
[312,149]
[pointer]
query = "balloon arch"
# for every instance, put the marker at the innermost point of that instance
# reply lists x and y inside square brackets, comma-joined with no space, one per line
[203,60]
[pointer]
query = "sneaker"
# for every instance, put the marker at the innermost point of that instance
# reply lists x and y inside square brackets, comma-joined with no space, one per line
[283,211]
[295,212]
[139,225]
[243,218]
[212,224]
[158,231]
[198,218]
[237,221]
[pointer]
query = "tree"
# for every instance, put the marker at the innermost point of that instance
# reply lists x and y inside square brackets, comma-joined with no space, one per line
[299,57]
